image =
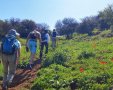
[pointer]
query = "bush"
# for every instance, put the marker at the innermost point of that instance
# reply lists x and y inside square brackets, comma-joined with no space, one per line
[106,33]
[52,78]
[85,55]
[96,31]
[58,57]
[100,87]
[111,28]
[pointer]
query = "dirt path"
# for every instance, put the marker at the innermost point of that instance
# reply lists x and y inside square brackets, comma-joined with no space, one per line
[23,79]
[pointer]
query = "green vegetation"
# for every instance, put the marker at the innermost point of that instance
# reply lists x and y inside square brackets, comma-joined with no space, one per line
[79,64]
[82,63]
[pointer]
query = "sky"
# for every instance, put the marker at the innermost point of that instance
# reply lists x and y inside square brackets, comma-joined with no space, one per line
[49,11]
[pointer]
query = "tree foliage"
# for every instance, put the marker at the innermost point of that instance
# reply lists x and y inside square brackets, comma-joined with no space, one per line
[67,26]
[102,21]
[22,26]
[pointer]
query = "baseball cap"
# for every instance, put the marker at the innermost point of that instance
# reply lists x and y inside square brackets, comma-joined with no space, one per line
[13,32]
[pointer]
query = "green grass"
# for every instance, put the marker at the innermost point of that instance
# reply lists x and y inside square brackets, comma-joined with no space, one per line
[95,74]
[85,62]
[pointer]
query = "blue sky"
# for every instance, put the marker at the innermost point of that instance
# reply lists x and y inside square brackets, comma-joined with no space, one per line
[49,11]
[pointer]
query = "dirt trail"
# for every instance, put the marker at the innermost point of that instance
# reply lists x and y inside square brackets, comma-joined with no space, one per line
[23,79]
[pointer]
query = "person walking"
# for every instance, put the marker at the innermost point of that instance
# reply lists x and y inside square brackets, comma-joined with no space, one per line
[54,34]
[31,43]
[10,55]
[45,38]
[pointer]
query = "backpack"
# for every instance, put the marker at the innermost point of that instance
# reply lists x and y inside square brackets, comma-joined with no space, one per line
[32,35]
[8,45]
[54,34]
[43,37]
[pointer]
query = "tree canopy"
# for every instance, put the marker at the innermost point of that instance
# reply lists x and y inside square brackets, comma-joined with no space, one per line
[66,26]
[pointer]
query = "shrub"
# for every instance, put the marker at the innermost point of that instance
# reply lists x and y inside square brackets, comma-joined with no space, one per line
[85,55]
[100,87]
[96,31]
[58,57]
[106,33]
[52,78]
[102,79]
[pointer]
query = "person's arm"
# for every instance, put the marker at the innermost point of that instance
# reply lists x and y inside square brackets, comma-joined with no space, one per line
[18,52]
[27,38]
[48,38]
[18,56]
[39,38]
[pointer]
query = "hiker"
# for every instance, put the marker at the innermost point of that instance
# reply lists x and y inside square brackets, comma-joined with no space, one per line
[45,38]
[54,34]
[10,55]
[31,43]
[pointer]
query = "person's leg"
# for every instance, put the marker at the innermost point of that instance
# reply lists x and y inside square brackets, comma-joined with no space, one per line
[46,45]
[55,42]
[41,50]
[52,42]
[33,53]
[32,56]
[5,68]
[12,68]
[32,47]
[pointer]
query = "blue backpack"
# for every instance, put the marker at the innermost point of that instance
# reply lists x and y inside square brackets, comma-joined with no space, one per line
[43,37]
[8,45]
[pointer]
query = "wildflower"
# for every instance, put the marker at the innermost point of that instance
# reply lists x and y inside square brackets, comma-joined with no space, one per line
[81,69]
[112,59]
[102,62]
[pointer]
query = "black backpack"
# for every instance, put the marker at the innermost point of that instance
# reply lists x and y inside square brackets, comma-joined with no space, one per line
[54,34]
[32,35]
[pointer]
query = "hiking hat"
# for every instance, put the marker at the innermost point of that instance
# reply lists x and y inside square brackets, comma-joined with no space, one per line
[13,32]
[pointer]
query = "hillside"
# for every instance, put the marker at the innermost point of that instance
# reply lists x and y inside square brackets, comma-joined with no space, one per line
[83,63]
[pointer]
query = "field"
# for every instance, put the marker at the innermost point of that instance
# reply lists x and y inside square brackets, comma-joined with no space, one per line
[82,63]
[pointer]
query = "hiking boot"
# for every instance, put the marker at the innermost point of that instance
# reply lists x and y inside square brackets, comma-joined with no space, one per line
[30,66]
[39,61]
[5,86]
[9,83]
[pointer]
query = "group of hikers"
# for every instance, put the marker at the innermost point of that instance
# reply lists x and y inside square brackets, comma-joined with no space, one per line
[11,49]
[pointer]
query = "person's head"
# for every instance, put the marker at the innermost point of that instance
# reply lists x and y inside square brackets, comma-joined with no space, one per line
[45,31]
[34,31]
[54,30]
[13,32]
[37,29]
